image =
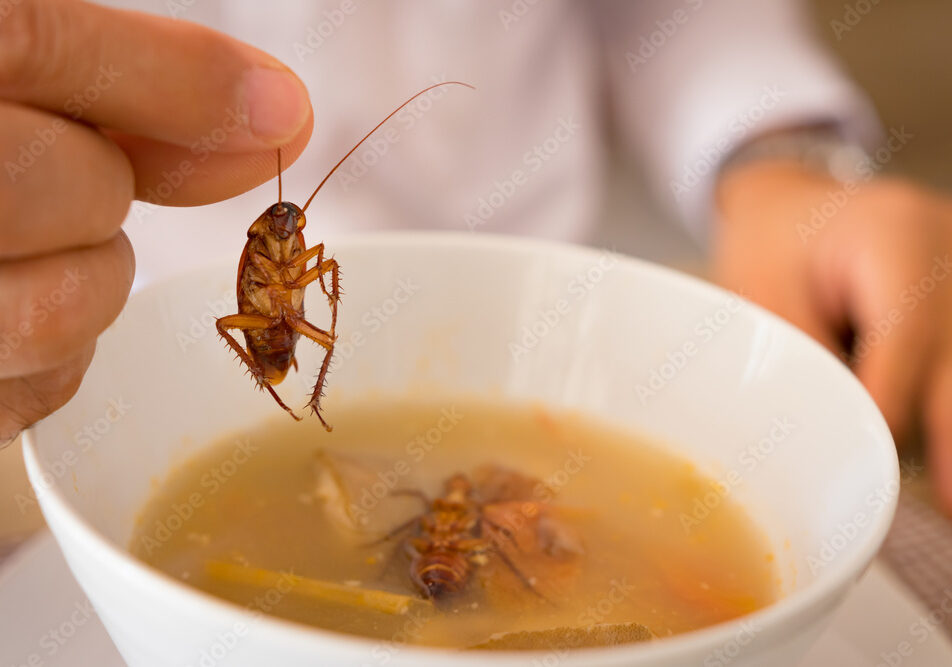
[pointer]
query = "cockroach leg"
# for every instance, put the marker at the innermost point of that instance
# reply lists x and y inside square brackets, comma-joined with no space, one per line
[305,257]
[502,529]
[308,255]
[417,578]
[315,402]
[508,561]
[325,340]
[515,570]
[317,272]
[334,296]
[244,322]
[266,266]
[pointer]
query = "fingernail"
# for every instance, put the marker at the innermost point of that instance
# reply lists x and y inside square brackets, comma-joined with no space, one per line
[277,104]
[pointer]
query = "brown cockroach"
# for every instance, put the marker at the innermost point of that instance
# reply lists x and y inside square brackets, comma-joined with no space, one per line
[272,277]
[455,535]
[449,542]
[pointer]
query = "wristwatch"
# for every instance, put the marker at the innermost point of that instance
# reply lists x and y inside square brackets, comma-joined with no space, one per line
[822,148]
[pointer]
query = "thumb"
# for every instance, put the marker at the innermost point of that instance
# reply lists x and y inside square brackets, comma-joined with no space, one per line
[149,76]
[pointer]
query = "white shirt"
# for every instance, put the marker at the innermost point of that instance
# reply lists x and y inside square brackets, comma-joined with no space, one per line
[559,83]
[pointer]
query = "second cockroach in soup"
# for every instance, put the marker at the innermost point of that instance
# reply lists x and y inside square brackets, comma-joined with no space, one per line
[487,515]
[272,277]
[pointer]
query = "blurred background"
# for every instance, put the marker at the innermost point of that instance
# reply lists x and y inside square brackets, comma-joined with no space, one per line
[898,52]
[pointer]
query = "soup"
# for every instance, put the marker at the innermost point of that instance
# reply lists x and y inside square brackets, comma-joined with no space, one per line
[458,525]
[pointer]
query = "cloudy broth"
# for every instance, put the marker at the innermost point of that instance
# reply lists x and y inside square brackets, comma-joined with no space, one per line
[599,534]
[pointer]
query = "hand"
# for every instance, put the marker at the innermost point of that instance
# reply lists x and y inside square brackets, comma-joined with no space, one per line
[872,259]
[98,107]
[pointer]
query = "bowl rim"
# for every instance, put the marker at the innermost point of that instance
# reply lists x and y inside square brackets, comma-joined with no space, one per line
[789,612]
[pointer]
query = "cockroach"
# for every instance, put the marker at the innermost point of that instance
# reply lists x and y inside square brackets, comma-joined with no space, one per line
[454,535]
[272,277]
[449,541]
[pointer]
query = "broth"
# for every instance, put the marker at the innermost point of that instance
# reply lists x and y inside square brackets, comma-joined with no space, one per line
[287,497]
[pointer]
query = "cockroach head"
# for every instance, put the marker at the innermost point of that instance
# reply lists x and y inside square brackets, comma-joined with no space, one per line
[284,219]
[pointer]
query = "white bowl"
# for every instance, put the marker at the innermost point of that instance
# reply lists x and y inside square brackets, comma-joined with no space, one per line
[632,343]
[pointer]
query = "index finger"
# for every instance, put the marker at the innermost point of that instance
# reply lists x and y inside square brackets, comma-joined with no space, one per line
[146,75]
